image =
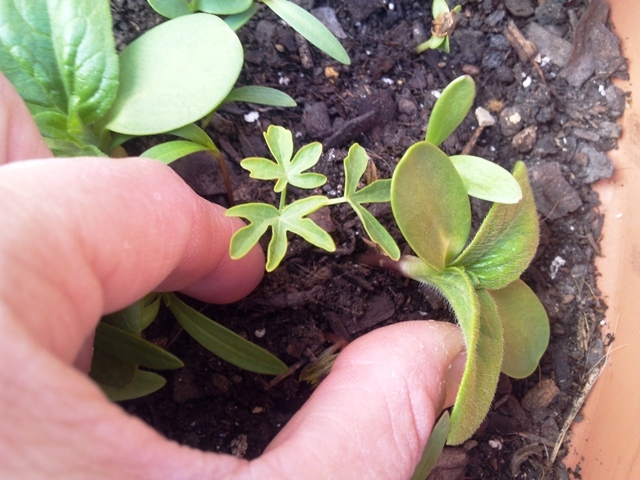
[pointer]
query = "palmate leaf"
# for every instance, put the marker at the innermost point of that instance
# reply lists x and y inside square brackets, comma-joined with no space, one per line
[379,191]
[450,109]
[526,328]
[291,219]
[310,28]
[284,170]
[506,241]
[430,204]
[223,342]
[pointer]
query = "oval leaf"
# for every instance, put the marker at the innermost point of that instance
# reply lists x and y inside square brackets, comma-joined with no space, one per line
[450,109]
[526,328]
[171,8]
[486,180]
[223,342]
[223,7]
[506,241]
[310,28]
[430,204]
[175,74]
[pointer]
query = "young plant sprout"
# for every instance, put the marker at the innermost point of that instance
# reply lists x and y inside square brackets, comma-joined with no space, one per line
[444,23]
[504,325]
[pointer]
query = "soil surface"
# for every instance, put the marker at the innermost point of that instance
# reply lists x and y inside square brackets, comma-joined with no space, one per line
[554,108]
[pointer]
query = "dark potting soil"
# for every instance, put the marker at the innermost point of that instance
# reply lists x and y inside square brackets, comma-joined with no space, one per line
[556,110]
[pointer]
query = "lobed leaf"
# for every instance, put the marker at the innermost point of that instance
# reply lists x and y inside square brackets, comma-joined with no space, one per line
[142,384]
[172,8]
[261,216]
[526,328]
[310,28]
[223,342]
[172,75]
[280,143]
[433,448]
[168,152]
[132,348]
[450,109]
[430,204]
[486,180]
[261,95]
[355,165]
[506,241]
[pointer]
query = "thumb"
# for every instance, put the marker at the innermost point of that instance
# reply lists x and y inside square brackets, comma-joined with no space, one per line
[373,414]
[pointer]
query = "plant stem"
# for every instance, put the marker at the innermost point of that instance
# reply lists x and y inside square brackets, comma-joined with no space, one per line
[283,199]
[336,201]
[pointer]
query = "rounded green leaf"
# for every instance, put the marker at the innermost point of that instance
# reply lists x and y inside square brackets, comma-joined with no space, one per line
[430,204]
[175,74]
[438,7]
[450,109]
[526,328]
[487,180]
[223,7]
[171,8]
[261,95]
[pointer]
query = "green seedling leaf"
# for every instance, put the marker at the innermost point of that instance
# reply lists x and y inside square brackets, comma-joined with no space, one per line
[506,241]
[450,109]
[439,7]
[433,448]
[223,7]
[236,22]
[130,347]
[108,369]
[67,148]
[223,342]
[526,328]
[486,180]
[150,309]
[175,74]
[261,95]
[291,219]
[171,151]
[128,319]
[310,28]
[61,58]
[430,204]
[480,377]
[195,134]
[172,8]
[142,384]
[117,139]
[285,170]
[379,191]
[432,44]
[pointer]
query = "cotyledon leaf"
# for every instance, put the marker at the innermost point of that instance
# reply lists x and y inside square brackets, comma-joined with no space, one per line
[450,109]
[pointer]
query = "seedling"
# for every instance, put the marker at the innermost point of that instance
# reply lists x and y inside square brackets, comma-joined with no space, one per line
[87,100]
[444,23]
[504,325]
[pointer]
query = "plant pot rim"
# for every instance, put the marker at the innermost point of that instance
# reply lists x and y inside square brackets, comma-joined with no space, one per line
[605,444]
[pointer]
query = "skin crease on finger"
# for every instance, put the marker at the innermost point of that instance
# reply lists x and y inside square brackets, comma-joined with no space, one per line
[81,237]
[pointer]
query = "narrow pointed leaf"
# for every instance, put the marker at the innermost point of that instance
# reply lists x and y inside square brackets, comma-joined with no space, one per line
[172,76]
[310,28]
[506,241]
[195,134]
[236,21]
[222,341]
[128,319]
[150,311]
[377,233]
[261,96]
[142,384]
[171,151]
[526,328]
[430,204]
[480,378]
[433,448]
[487,180]
[129,347]
[107,369]
[450,109]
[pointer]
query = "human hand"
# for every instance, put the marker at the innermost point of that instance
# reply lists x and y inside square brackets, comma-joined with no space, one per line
[83,237]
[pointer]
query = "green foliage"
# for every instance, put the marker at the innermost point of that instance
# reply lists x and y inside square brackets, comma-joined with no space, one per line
[261,95]
[444,23]
[293,217]
[450,109]
[433,448]
[240,11]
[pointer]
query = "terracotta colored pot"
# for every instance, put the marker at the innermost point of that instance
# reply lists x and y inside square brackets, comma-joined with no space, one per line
[606,443]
